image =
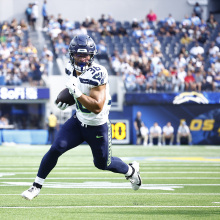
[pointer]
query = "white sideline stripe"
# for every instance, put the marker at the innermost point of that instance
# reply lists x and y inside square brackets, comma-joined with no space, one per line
[70,207]
[103,172]
[143,164]
[122,194]
[92,167]
[149,185]
[112,178]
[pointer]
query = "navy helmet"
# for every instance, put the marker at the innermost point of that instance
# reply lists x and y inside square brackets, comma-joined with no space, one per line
[82,44]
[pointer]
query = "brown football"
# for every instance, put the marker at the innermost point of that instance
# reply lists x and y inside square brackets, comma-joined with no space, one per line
[65,97]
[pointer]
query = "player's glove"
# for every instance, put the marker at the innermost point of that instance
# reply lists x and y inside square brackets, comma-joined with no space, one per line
[62,105]
[73,89]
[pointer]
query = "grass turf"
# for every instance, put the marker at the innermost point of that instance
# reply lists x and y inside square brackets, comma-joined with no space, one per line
[178,183]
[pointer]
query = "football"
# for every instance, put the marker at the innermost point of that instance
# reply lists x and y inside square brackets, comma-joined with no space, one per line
[65,97]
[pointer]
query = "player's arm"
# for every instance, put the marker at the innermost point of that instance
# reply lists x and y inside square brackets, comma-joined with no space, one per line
[96,99]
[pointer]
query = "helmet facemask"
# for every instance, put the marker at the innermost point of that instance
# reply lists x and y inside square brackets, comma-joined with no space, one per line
[81,66]
[82,46]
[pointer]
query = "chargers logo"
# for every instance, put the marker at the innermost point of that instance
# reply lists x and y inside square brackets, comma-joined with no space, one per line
[190,96]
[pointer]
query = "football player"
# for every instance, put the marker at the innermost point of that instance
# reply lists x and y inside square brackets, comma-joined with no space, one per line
[88,83]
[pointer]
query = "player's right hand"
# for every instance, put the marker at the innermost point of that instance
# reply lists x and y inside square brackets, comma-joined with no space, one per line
[62,105]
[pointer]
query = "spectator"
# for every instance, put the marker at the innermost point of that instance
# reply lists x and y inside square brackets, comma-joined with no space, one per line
[114,31]
[170,21]
[110,20]
[47,60]
[87,22]
[190,82]
[198,10]
[101,47]
[151,18]
[211,21]
[198,80]
[168,134]
[213,49]
[34,15]
[28,13]
[195,20]
[197,49]
[208,82]
[168,82]
[203,36]
[141,82]
[155,134]
[186,39]
[186,22]
[217,81]
[138,123]
[144,133]
[183,134]
[35,75]
[3,122]
[45,14]
[130,82]
[160,81]
[218,39]
[135,23]
[150,82]
[102,20]
[52,124]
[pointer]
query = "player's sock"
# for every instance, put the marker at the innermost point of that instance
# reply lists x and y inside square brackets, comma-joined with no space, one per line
[38,182]
[130,171]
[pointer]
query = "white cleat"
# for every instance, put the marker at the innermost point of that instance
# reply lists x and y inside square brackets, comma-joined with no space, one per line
[135,177]
[31,193]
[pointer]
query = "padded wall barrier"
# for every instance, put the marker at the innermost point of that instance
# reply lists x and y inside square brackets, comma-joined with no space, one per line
[25,136]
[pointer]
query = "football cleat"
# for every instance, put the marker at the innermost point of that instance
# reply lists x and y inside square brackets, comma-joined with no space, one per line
[31,193]
[135,177]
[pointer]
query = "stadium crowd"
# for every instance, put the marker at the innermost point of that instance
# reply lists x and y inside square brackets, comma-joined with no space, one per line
[19,59]
[151,55]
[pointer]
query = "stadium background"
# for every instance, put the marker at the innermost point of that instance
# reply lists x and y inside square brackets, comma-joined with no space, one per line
[39,101]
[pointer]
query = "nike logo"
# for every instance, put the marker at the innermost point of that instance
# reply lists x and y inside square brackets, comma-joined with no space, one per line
[98,136]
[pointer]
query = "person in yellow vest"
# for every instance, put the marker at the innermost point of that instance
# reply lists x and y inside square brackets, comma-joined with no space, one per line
[52,124]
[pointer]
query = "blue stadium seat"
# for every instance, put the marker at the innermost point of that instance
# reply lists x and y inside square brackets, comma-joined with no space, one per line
[107,39]
[2,80]
[116,39]
[77,24]
[127,25]
[118,24]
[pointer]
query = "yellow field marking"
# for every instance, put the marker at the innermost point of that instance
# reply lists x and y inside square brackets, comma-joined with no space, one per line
[190,159]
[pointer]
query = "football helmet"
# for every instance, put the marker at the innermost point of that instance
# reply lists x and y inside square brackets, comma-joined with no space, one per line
[82,45]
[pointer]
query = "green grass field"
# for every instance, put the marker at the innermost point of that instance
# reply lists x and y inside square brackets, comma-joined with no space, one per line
[178,183]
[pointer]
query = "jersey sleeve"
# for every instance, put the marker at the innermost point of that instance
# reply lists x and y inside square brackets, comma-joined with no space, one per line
[99,75]
[69,69]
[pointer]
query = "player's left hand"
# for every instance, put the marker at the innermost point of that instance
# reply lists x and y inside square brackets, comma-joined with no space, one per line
[73,89]
[62,105]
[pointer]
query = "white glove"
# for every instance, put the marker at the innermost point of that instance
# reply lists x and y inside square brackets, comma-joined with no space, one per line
[62,105]
[72,86]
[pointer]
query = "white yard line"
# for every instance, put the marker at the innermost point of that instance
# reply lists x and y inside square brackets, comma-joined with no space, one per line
[120,194]
[111,178]
[104,172]
[71,207]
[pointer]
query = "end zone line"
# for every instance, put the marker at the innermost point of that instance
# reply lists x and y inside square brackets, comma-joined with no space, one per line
[70,207]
